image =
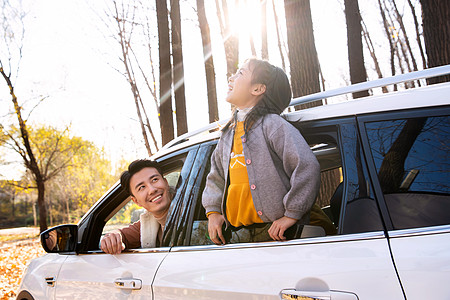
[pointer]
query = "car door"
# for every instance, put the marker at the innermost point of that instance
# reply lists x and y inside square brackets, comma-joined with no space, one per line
[353,264]
[94,274]
[416,189]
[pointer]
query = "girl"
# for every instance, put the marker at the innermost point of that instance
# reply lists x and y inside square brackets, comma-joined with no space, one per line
[263,173]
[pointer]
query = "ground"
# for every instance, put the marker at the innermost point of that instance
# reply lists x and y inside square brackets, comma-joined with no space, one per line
[18,246]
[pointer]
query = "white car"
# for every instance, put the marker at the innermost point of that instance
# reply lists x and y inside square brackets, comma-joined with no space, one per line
[391,209]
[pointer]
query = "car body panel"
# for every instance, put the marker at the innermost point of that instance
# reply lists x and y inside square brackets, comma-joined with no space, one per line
[34,278]
[422,257]
[86,276]
[358,264]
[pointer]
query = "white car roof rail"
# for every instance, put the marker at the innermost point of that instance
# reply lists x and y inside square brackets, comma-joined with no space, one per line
[362,86]
[187,135]
[427,73]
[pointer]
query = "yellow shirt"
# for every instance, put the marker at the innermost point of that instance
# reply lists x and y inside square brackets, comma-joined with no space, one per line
[240,208]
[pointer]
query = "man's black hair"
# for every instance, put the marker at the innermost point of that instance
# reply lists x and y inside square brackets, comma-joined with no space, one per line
[135,167]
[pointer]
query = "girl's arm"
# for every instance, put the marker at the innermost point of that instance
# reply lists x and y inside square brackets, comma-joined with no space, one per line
[215,184]
[212,198]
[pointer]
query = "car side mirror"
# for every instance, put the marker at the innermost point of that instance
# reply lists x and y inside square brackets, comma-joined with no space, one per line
[62,238]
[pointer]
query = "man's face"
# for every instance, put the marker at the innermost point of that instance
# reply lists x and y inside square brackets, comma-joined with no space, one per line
[150,191]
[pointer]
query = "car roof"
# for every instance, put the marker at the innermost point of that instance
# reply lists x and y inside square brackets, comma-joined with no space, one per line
[429,96]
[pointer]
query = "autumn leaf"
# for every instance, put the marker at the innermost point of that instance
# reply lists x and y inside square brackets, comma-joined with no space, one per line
[14,258]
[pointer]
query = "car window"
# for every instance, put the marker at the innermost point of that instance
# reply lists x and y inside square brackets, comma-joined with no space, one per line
[411,157]
[362,213]
[128,212]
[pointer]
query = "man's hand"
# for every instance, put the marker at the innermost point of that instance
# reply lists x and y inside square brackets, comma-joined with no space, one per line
[215,222]
[111,243]
[276,231]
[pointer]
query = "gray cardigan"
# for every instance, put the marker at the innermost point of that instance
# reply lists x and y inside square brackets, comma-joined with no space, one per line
[283,173]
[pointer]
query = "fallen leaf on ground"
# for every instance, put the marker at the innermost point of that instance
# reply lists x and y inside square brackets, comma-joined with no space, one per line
[14,258]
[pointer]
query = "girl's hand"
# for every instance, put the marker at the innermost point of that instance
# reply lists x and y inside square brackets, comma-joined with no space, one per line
[215,222]
[276,231]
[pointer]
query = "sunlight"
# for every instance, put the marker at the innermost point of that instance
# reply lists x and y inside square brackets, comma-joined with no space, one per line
[246,21]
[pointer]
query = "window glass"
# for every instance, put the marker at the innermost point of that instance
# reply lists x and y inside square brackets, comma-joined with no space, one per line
[361,213]
[412,161]
[129,212]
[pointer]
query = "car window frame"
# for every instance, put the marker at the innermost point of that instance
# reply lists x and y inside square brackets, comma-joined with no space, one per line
[387,116]
[320,126]
[182,238]
[89,232]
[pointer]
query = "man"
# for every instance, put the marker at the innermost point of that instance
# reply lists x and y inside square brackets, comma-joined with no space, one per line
[148,189]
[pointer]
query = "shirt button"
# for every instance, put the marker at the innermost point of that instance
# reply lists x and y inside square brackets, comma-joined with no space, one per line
[244,140]
[249,161]
[259,212]
[253,186]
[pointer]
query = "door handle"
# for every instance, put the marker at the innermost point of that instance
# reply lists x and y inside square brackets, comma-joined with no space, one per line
[50,281]
[128,283]
[292,294]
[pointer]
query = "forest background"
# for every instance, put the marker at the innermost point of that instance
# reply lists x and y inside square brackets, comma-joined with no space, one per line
[88,87]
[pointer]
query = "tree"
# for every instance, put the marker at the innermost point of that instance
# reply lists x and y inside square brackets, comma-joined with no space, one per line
[76,188]
[355,48]
[304,63]
[436,32]
[178,68]
[51,151]
[132,31]
[419,40]
[230,38]
[387,31]
[264,47]
[209,62]
[11,52]
[85,176]
[275,16]
[305,69]
[165,73]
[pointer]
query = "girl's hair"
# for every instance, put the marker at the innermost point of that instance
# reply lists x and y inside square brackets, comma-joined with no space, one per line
[276,97]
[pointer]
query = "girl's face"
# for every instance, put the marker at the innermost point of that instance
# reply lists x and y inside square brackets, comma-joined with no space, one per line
[241,92]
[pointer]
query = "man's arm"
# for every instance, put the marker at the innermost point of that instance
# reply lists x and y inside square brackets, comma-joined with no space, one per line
[125,238]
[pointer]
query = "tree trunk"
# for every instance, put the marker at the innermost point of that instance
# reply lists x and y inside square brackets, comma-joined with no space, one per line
[125,45]
[275,16]
[419,40]
[393,166]
[209,62]
[34,214]
[369,44]
[178,68]
[13,207]
[230,39]
[355,48]
[405,35]
[28,156]
[303,58]
[389,37]
[436,33]
[41,205]
[264,47]
[165,73]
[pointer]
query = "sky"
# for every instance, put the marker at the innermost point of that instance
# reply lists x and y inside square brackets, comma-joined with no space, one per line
[68,57]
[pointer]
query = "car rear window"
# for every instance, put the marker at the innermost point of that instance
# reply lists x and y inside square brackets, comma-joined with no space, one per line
[411,157]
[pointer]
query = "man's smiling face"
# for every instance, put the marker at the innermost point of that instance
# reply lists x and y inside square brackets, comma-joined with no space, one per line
[151,191]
